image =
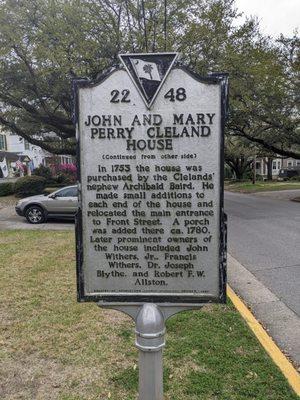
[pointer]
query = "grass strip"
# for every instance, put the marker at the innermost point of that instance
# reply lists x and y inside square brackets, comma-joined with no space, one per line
[249,187]
[55,348]
[267,342]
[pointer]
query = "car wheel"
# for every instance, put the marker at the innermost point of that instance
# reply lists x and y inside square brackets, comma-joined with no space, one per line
[35,215]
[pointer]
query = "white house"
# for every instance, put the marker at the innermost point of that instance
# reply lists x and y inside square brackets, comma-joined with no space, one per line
[277,164]
[14,149]
[37,155]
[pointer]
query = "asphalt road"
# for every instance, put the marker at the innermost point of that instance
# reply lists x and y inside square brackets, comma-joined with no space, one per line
[264,236]
[10,220]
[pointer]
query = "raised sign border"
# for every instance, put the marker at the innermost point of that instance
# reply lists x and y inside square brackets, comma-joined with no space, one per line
[216,78]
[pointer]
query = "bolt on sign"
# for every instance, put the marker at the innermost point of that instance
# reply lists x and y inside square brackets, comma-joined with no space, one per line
[150,226]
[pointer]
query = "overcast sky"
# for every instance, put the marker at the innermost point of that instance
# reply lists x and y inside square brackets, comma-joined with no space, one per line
[276,16]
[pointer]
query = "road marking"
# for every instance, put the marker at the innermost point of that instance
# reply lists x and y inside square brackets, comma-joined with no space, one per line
[267,342]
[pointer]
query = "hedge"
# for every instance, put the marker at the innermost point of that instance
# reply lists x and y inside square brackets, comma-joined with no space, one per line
[6,189]
[43,171]
[29,186]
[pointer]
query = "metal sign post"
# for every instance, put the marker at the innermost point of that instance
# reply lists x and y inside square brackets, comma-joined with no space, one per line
[150,333]
[151,228]
[150,340]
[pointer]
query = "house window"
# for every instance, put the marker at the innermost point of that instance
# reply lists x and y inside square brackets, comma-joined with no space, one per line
[278,164]
[289,164]
[3,143]
[274,164]
[257,165]
[26,145]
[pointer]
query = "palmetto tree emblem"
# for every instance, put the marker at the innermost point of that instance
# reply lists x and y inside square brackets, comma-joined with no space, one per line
[148,72]
[147,69]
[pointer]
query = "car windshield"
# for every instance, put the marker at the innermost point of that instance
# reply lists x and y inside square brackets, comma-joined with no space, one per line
[67,192]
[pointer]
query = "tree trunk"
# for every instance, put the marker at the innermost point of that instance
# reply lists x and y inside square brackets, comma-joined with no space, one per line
[254,170]
[238,166]
[239,171]
[269,168]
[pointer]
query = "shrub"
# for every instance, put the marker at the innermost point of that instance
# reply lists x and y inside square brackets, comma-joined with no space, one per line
[65,173]
[295,178]
[43,171]
[68,168]
[259,178]
[248,175]
[6,189]
[64,179]
[29,186]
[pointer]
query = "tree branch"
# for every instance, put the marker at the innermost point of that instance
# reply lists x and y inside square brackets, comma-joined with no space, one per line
[55,121]
[41,143]
[268,146]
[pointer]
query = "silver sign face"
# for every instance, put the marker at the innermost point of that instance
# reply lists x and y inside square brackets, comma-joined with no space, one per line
[149,226]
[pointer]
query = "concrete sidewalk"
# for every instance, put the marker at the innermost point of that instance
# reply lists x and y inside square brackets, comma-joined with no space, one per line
[282,324]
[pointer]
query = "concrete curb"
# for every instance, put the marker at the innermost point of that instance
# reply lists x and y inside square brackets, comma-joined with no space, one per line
[266,341]
[280,321]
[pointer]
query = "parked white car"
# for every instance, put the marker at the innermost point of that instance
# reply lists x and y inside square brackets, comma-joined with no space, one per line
[62,203]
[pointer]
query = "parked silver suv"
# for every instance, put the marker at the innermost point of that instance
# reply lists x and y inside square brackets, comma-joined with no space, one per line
[60,204]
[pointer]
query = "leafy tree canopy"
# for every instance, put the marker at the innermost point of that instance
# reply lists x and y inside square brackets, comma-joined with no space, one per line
[45,44]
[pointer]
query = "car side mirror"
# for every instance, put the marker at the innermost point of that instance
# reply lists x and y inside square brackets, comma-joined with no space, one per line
[52,196]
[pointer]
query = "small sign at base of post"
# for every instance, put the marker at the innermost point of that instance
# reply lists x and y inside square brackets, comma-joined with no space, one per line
[151,228]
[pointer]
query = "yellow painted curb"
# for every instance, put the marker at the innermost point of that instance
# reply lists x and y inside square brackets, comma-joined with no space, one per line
[266,341]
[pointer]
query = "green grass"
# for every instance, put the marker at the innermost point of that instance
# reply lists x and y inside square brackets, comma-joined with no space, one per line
[249,187]
[51,347]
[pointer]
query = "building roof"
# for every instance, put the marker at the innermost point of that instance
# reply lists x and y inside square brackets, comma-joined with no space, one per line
[12,156]
[9,155]
[24,157]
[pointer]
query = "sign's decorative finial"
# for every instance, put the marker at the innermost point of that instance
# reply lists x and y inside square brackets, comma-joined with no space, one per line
[148,72]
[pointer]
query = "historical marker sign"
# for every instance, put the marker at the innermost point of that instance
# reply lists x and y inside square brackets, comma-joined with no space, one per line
[150,224]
